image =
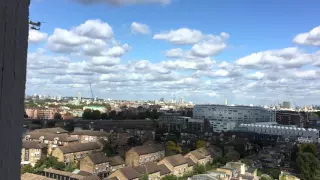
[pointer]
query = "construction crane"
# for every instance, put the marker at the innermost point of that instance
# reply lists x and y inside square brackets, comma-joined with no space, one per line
[91,92]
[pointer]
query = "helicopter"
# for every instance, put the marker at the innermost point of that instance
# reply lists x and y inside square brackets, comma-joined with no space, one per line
[34,25]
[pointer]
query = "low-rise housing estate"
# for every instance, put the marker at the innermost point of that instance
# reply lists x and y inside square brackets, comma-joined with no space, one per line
[63,175]
[76,152]
[177,164]
[116,162]
[143,154]
[85,136]
[32,151]
[96,163]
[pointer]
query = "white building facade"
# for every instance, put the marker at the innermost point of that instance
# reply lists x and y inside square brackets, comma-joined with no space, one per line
[225,118]
[286,131]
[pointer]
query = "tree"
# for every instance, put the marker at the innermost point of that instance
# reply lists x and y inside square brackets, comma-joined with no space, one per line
[308,148]
[172,146]
[200,144]
[144,177]
[47,162]
[27,169]
[104,116]
[112,114]
[199,169]
[108,150]
[169,177]
[71,167]
[308,165]
[247,162]
[232,156]
[95,114]
[87,114]
[25,115]
[57,116]
[266,177]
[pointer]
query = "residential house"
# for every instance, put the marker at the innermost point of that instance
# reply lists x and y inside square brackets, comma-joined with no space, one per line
[241,167]
[96,163]
[177,164]
[64,175]
[143,154]
[126,173]
[53,140]
[151,169]
[208,152]
[191,164]
[30,176]
[197,157]
[164,171]
[231,172]
[116,162]
[32,151]
[76,152]
[85,136]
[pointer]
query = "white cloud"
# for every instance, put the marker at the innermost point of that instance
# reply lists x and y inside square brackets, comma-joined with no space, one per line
[125,2]
[211,46]
[105,60]
[138,28]
[309,38]
[183,64]
[212,94]
[95,29]
[283,58]
[180,36]
[36,36]
[174,53]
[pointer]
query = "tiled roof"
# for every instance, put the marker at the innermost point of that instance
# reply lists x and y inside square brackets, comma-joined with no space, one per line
[190,162]
[147,149]
[98,158]
[29,176]
[90,133]
[116,161]
[56,130]
[51,136]
[80,147]
[176,160]
[197,155]
[130,173]
[148,168]
[112,178]
[64,173]
[163,169]
[92,177]
[33,145]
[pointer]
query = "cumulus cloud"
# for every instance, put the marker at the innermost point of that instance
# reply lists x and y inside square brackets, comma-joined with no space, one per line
[36,36]
[283,58]
[183,64]
[138,28]
[309,38]
[92,38]
[125,2]
[174,53]
[180,36]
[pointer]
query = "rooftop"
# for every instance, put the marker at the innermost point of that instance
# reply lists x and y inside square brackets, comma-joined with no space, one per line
[147,149]
[33,145]
[78,147]
[176,160]
[29,176]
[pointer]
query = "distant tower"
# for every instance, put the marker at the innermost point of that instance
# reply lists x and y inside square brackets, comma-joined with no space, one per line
[226,102]
[79,96]
[174,98]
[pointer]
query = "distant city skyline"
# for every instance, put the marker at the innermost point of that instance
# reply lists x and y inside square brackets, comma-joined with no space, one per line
[203,52]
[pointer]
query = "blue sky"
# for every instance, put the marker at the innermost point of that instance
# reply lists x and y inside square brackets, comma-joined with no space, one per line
[252,27]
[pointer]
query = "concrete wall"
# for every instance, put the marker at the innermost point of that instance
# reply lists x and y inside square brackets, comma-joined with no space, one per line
[13,62]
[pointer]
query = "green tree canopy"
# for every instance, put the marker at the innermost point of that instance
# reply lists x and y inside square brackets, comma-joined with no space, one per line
[87,114]
[308,148]
[95,114]
[169,177]
[308,165]
[247,162]
[172,146]
[57,116]
[144,177]
[200,144]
